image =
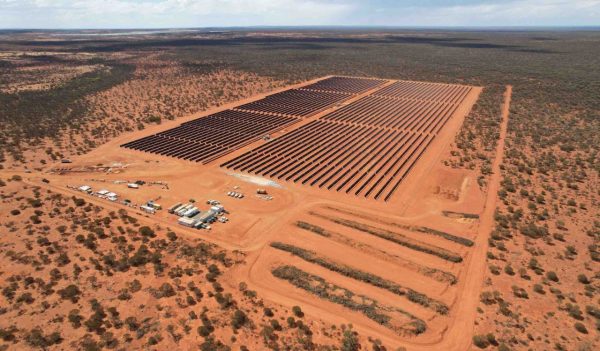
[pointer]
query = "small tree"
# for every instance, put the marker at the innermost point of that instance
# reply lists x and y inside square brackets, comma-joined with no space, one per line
[581,328]
[350,341]
[552,276]
[298,311]
[238,319]
[71,292]
[480,341]
[147,232]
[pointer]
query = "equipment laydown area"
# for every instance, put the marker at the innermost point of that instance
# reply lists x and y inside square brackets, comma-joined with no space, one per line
[364,148]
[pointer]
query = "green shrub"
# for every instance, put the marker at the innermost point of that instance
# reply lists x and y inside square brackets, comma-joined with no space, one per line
[147,232]
[71,292]
[583,279]
[297,311]
[238,319]
[580,327]
[480,341]
[552,276]
[350,341]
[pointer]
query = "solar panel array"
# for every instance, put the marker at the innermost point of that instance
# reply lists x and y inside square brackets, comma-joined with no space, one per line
[345,85]
[403,114]
[207,138]
[438,92]
[295,102]
[366,148]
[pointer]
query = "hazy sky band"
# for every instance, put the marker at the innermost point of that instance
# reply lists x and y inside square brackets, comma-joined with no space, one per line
[209,13]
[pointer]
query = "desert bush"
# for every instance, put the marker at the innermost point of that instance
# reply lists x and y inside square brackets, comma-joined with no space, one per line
[238,319]
[519,292]
[574,311]
[36,338]
[165,290]
[583,279]
[297,311]
[146,231]
[481,341]
[580,327]
[350,341]
[552,276]
[75,318]
[70,292]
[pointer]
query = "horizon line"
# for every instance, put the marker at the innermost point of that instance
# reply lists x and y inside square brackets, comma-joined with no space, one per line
[588,27]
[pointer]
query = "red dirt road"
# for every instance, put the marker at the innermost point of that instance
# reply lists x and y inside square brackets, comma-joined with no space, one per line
[460,334]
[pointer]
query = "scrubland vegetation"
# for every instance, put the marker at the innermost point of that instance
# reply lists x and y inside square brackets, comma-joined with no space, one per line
[437,274]
[363,276]
[396,238]
[347,298]
[61,255]
[76,276]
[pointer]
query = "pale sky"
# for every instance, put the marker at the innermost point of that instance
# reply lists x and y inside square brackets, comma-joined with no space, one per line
[69,14]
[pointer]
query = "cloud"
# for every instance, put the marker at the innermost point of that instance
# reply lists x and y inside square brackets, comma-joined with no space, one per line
[206,13]
[169,13]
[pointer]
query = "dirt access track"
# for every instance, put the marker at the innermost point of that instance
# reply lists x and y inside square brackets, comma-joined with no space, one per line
[407,271]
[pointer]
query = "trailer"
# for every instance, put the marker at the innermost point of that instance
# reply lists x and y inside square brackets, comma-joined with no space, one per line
[217,209]
[154,205]
[147,209]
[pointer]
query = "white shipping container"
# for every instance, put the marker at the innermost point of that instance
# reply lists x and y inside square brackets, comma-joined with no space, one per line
[191,212]
[183,209]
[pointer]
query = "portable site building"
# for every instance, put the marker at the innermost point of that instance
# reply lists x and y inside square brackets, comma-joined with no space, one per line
[217,208]
[186,222]
[206,217]
[133,186]
[102,192]
[147,209]
[111,195]
[85,188]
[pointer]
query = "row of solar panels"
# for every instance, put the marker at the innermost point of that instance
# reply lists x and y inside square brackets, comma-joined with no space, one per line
[206,138]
